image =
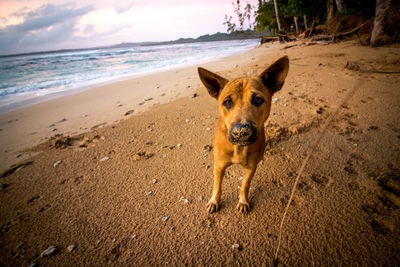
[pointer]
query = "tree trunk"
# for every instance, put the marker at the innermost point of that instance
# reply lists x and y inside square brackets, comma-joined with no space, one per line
[340,5]
[330,12]
[296,25]
[277,16]
[305,21]
[378,35]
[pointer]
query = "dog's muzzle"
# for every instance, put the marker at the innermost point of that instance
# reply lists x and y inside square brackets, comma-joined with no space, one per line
[242,134]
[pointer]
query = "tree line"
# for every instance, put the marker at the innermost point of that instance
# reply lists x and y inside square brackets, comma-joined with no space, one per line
[296,16]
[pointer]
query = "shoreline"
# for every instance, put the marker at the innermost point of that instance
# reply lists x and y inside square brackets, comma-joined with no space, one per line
[33,98]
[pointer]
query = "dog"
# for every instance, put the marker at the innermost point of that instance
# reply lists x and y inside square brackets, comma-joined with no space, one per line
[244,105]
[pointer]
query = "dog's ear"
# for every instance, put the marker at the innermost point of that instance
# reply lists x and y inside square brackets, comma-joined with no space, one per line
[213,82]
[274,76]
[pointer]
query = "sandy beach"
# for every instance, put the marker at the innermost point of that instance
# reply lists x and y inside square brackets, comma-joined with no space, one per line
[120,174]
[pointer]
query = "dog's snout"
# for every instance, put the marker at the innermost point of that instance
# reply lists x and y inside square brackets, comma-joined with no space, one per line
[242,134]
[241,131]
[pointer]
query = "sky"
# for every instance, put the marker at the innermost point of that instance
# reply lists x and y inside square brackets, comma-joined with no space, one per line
[42,25]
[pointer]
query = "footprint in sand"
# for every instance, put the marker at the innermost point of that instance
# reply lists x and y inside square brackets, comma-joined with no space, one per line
[15,168]
[81,141]
[388,200]
[319,179]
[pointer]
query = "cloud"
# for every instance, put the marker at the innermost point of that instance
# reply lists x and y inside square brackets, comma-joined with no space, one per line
[47,24]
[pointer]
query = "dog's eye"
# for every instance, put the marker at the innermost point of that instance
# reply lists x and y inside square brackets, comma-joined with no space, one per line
[228,103]
[257,101]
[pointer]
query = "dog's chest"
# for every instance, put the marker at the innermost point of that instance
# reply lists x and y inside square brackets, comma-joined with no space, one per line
[240,154]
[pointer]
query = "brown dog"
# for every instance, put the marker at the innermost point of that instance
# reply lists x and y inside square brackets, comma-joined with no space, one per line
[244,105]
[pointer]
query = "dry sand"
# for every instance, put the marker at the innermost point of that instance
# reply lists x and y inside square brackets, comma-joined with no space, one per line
[133,191]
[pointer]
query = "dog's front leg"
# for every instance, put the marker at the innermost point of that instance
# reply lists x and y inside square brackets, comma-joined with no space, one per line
[244,205]
[219,171]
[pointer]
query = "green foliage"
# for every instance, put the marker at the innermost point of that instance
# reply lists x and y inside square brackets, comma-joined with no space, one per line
[315,10]
[241,17]
[229,24]
[265,16]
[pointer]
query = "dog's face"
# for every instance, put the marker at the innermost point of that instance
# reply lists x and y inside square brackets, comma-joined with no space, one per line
[245,103]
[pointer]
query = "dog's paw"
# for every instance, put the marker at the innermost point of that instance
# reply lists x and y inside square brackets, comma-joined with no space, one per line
[212,207]
[243,207]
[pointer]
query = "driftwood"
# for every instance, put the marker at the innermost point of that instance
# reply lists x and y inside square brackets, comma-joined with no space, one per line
[266,39]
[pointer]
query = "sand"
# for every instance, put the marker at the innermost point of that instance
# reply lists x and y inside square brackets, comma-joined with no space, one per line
[132,189]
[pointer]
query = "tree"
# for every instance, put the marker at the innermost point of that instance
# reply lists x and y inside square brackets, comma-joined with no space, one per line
[386,22]
[247,13]
[340,5]
[228,22]
[288,9]
[277,16]
[241,17]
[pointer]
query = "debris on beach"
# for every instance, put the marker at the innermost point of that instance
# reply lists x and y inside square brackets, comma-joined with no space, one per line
[274,100]
[57,163]
[105,158]
[148,99]
[70,248]
[149,193]
[155,181]
[208,148]
[194,95]
[179,145]
[183,199]
[62,120]
[236,246]
[50,251]
[165,218]
[129,112]
[142,155]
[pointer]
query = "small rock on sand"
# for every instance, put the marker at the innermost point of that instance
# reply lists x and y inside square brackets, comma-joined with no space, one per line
[155,181]
[105,158]
[165,218]
[62,120]
[70,248]
[57,163]
[34,264]
[50,251]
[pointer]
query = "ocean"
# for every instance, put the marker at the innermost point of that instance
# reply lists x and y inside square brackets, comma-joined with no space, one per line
[29,78]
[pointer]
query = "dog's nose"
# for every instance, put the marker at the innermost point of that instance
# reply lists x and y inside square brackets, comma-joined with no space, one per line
[242,134]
